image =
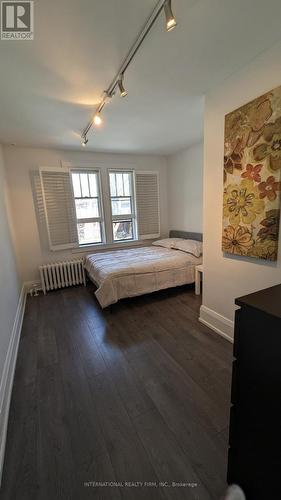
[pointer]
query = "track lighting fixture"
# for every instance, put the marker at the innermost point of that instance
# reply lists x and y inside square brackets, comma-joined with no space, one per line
[118,81]
[97,119]
[123,91]
[170,18]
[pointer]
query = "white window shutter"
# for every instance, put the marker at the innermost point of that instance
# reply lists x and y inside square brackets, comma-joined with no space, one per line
[147,203]
[59,208]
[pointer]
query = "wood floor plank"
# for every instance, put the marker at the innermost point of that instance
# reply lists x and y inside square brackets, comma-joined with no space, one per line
[133,394]
[20,474]
[46,339]
[189,392]
[137,394]
[55,459]
[101,484]
[81,335]
[200,444]
[212,377]
[88,443]
[129,459]
[168,459]
[209,374]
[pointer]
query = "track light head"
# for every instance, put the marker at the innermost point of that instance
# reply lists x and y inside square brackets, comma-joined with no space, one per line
[97,119]
[123,91]
[84,142]
[170,18]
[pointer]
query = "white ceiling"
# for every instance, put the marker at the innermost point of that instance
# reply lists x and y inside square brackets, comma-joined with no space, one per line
[49,87]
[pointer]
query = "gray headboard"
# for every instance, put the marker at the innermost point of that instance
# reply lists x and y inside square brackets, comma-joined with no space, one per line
[186,235]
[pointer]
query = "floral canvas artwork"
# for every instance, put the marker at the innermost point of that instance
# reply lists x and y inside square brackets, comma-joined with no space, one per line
[252,178]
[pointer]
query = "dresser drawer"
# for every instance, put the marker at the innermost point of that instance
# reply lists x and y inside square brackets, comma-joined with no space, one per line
[254,387]
[251,431]
[246,387]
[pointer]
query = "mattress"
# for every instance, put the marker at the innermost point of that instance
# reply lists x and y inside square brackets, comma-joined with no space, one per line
[136,271]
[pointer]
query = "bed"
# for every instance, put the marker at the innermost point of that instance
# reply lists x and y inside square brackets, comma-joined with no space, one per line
[137,271]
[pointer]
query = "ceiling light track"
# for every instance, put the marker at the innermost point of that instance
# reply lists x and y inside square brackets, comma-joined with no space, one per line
[118,80]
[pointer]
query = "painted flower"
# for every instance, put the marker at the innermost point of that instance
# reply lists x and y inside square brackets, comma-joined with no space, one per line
[269,187]
[245,126]
[252,172]
[265,249]
[271,151]
[230,163]
[237,240]
[271,147]
[272,129]
[242,202]
[270,229]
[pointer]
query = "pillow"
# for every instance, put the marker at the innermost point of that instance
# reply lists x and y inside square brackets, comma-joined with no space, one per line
[190,246]
[167,242]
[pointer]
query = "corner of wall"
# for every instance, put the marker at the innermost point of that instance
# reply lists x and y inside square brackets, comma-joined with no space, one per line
[218,323]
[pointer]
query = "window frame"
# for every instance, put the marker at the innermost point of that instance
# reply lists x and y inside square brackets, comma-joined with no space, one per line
[132,217]
[99,198]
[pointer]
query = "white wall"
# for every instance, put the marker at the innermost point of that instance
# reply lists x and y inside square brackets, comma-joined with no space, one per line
[9,281]
[23,163]
[10,288]
[226,277]
[185,189]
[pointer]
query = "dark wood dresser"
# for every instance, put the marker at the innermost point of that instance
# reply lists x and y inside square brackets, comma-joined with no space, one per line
[254,460]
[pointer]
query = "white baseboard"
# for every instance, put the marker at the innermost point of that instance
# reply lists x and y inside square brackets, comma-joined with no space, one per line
[6,382]
[217,322]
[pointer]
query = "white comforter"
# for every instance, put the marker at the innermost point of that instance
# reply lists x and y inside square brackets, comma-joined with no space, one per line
[128,273]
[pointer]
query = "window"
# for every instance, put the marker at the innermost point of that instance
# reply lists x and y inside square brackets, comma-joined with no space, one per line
[122,205]
[82,208]
[88,207]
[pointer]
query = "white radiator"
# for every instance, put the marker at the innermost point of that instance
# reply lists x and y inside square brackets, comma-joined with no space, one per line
[62,274]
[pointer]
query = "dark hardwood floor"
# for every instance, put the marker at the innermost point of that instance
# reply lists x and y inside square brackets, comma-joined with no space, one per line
[137,394]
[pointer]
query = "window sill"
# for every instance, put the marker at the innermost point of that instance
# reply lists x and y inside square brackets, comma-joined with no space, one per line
[111,246]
